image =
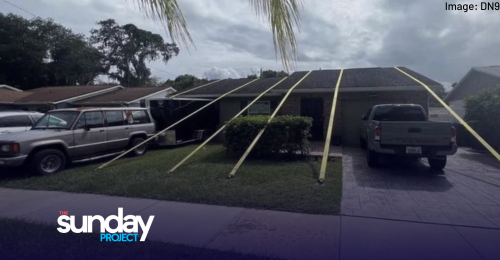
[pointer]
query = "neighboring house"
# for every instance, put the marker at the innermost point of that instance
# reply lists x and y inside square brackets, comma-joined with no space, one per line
[359,90]
[7,87]
[477,79]
[439,114]
[9,96]
[47,98]
[129,97]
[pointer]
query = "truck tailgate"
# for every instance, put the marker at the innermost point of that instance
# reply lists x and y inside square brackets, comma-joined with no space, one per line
[422,133]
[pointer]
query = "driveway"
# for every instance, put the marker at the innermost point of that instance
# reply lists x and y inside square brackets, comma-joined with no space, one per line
[467,194]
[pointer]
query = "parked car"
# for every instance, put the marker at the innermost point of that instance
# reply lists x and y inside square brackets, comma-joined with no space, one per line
[404,130]
[17,121]
[76,135]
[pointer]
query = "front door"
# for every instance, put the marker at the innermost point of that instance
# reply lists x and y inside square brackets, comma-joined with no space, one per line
[313,107]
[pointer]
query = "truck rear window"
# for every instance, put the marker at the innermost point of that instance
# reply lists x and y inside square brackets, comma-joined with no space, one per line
[399,114]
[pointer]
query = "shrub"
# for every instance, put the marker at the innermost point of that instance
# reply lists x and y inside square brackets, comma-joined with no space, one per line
[482,113]
[285,134]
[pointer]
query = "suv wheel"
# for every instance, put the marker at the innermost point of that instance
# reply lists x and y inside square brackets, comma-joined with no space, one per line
[437,163]
[372,159]
[141,150]
[48,161]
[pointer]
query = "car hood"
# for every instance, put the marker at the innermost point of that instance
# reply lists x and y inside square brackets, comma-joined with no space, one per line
[32,135]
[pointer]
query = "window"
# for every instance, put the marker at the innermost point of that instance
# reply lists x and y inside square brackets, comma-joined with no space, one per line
[57,120]
[36,117]
[260,108]
[399,114]
[15,121]
[90,120]
[137,117]
[116,118]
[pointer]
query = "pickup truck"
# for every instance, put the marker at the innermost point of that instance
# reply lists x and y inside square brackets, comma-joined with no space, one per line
[404,130]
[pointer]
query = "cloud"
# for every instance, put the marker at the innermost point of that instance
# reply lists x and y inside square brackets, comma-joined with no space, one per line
[231,41]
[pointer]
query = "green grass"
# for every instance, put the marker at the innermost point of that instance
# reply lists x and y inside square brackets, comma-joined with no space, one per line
[263,184]
[28,240]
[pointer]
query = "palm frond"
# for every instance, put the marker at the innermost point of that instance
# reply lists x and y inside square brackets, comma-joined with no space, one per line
[283,16]
[170,15]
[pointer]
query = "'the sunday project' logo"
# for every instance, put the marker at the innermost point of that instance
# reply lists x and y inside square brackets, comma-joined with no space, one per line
[127,229]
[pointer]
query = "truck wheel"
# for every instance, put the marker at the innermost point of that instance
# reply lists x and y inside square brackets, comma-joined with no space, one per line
[437,163]
[48,161]
[372,159]
[141,150]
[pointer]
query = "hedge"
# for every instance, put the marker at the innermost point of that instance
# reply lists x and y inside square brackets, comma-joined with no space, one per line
[285,134]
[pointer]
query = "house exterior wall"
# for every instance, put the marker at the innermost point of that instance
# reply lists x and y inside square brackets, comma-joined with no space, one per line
[292,105]
[459,107]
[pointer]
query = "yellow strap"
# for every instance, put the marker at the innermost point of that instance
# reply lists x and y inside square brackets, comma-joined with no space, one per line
[189,90]
[224,126]
[326,151]
[176,123]
[242,159]
[476,135]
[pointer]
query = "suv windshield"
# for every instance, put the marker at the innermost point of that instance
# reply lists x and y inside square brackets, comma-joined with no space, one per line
[57,120]
[398,114]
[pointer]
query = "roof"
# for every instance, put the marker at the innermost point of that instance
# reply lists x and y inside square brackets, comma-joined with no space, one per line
[125,95]
[477,79]
[320,79]
[58,94]
[79,109]
[9,96]
[9,88]
[13,113]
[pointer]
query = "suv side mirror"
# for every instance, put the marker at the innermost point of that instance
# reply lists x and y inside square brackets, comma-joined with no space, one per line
[364,117]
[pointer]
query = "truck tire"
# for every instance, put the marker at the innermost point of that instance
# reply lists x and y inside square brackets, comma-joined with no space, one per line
[48,161]
[372,159]
[139,151]
[437,163]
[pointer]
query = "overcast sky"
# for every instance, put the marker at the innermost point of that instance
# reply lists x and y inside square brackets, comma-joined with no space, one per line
[232,42]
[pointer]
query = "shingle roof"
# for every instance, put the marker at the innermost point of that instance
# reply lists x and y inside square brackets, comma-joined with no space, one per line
[492,70]
[9,96]
[55,94]
[318,79]
[121,95]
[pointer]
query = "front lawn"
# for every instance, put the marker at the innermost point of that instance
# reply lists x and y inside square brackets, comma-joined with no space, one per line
[27,240]
[274,185]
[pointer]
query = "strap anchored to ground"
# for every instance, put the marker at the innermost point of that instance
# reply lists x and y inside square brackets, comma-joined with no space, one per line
[249,149]
[224,126]
[326,151]
[467,126]
[176,123]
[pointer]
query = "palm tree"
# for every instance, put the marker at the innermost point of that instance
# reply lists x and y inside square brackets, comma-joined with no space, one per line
[283,16]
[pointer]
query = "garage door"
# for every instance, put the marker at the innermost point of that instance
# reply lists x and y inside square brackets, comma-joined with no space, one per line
[352,111]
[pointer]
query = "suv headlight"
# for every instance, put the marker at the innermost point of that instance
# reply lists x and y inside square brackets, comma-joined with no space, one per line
[10,148]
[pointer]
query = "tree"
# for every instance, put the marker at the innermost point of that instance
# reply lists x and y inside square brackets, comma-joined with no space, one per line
[272,74]
[186,81]
[481,111]
[283,17]
[252,76]
[39,52]
[126,49]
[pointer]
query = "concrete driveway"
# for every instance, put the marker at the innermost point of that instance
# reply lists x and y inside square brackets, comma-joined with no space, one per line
[467,194]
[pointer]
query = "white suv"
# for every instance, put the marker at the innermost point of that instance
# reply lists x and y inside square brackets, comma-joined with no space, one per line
[17,121]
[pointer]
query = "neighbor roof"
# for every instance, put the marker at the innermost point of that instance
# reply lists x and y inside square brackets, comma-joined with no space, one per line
[492,70]
[321,79]
[58,94]
[3,86]
[474,81]
[10,96]
[125,95]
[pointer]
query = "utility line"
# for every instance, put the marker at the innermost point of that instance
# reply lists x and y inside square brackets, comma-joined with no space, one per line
[20,8]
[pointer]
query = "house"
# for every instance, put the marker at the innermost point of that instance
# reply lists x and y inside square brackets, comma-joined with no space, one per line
[130,97]
[477,79]
[9,96]
[47,98]
[7,87]
[359,90]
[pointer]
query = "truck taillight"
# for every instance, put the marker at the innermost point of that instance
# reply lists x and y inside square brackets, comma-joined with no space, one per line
[377,131]
[453,132]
